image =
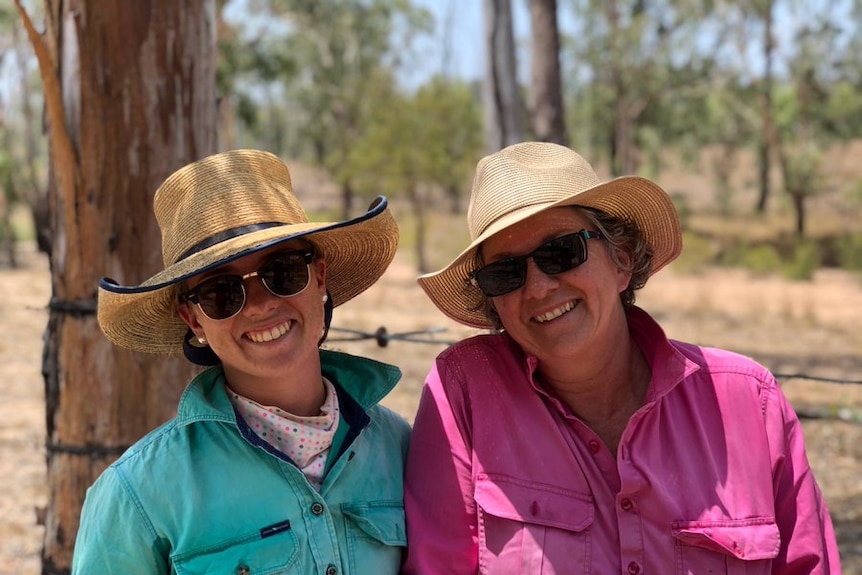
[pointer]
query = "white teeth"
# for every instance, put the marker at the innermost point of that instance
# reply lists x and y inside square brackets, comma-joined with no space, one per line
[269,335]
[554,314]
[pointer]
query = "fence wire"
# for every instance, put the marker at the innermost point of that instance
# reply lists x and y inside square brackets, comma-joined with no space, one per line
[382,337]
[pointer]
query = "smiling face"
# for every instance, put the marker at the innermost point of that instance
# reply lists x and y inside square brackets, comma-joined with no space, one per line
[566,316]
[271,335]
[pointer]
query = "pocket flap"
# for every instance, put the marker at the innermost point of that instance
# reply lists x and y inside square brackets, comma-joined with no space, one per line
[263,556]
[381,521]
[532,502]
[750,539]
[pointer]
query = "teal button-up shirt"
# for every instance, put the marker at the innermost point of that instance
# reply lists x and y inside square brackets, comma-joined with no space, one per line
[202,494]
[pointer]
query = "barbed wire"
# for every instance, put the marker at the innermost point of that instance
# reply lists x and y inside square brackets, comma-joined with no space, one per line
[382,337]
[816,378]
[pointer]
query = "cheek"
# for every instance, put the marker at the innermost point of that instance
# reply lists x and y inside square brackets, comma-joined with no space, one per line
[507,308]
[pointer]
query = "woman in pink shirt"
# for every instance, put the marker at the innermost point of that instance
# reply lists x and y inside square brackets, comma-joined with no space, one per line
[576,437]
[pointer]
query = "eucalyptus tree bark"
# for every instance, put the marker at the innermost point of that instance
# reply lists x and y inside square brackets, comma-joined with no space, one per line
[767,137]
[621,147]
[502,99]
[130,96]
[547,115]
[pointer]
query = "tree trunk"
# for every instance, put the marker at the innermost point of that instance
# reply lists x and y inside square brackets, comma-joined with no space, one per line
[130,97]
[417,202]
[346,199]
[546,110]
[502,98]
[798,197]
[35,192]
[768,127]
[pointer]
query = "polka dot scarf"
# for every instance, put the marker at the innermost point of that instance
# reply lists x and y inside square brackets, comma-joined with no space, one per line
[305,440]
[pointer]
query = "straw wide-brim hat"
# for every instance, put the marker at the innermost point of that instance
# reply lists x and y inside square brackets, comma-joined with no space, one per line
[224,207]
[525,179]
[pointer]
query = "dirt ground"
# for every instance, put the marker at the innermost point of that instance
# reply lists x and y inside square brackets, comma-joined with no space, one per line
[809,328]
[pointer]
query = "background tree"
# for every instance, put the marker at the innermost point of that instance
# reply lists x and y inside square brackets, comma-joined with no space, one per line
[806,129]
[326,57]
[501,96]
[420,147]
[130,96]
[764,11]
[22,159]
[547,116]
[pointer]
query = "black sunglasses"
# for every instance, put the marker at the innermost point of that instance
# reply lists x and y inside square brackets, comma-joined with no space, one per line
[553,257]
[221,297]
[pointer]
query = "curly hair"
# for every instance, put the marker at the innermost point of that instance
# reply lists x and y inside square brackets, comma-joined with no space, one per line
[629,251]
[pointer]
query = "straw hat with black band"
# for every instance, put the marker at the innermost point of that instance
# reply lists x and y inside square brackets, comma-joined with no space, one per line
[525,179]
[225,207]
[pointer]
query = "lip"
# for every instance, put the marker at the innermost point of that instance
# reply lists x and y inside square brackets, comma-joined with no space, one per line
[270,334]
[555,313]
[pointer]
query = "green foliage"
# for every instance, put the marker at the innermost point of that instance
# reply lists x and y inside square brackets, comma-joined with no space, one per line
[843,114]
[854,192]
[797,261]
[324,66]
[849,252]
[450,122]
[803,170]
[761,259]
[698,253]
[683,208]
[803,262]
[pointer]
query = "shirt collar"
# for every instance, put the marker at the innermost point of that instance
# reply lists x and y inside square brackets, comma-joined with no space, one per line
[667,364]
[360,383]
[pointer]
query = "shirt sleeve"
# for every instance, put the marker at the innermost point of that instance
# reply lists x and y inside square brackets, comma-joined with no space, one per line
[114,538]
[808,544]
[438,498]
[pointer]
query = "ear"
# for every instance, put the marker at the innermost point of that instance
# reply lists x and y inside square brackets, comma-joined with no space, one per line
[624,272]
[318,268]
[189,316]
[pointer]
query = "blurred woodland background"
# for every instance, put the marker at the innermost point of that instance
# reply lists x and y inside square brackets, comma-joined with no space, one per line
[749,112]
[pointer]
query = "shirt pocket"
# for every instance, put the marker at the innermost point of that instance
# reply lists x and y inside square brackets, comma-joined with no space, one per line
[272,550]
[727,546]
[531,527]
[376,536]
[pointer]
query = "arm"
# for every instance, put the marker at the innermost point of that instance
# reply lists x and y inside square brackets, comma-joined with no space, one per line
[808,544]
[114,538]
[438,499]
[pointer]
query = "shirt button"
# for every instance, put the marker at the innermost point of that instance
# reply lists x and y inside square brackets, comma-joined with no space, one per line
[627,504]
[594,446]
[331,570]
[243,570]
[634,568]
[317,509]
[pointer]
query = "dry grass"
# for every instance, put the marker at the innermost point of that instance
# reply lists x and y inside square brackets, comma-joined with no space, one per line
[792,327]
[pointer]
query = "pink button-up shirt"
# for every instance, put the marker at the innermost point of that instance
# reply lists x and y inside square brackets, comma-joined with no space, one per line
[711,475]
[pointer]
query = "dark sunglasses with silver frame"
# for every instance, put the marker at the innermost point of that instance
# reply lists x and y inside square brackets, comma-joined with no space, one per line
[284,274]
[552,257]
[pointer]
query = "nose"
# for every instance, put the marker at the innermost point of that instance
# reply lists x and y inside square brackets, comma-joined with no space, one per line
[538,284]
[256,294]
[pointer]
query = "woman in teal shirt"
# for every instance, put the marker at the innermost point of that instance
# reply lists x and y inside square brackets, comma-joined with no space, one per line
[279,459]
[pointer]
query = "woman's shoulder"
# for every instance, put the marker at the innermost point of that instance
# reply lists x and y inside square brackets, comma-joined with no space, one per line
[715,359]
[392,421]
[491,344]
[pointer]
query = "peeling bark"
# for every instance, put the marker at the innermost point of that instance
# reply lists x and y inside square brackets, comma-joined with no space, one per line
[130,97]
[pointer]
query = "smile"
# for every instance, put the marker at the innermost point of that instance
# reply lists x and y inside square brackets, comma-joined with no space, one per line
[269,334]
[555,313]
